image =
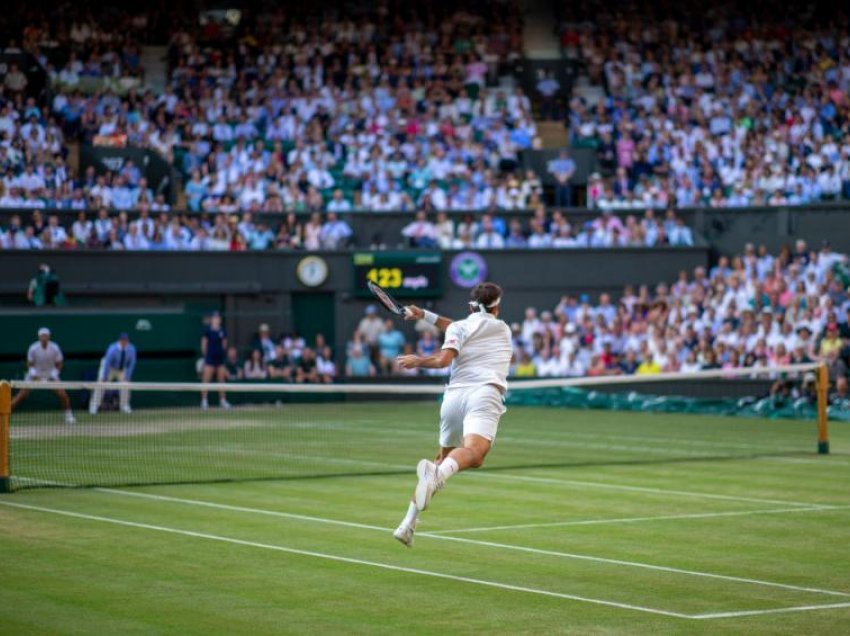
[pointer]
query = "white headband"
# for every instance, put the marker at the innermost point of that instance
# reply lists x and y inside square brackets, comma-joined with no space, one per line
[482,307]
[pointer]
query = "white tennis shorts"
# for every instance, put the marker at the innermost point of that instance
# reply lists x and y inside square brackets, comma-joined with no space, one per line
[474,411]
[34,375]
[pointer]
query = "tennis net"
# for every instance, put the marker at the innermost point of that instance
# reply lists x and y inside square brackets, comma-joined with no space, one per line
[288,431]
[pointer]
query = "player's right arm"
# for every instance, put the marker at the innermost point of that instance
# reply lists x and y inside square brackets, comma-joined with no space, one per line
[417,313]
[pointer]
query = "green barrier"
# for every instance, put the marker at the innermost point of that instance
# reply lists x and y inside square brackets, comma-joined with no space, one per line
[770,407]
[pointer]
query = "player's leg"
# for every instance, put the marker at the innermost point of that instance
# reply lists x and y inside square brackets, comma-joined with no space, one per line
[65,401]
[482,409]
[444,452]
[451,435]
[20,397]
[221,378]
[470,455]
[452,415]
[206,376]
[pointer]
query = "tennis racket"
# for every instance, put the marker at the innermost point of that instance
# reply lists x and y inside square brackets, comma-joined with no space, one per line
[386,300]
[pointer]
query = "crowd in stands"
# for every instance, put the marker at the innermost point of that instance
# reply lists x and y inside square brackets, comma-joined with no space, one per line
[287,358]
[542,231]
[706,104]
[396,107]
[376,343]
[755,310]
[153,228]
[161,231]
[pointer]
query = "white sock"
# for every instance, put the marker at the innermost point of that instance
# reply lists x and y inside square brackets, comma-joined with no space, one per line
[448,467]
[410,517]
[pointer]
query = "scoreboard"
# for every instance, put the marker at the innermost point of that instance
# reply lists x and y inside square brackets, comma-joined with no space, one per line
[402,274]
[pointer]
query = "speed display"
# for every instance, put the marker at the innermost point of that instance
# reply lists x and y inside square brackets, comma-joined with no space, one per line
[403,274]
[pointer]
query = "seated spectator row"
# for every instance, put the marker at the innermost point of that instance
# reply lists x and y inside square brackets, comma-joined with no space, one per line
[156,230]
[755,310]
[287,358]
[492,232]
[171,232]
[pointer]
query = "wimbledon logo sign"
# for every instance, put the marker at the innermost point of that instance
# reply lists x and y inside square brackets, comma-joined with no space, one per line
[468,269]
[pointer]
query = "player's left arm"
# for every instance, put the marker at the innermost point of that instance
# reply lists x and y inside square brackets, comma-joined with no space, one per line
[417,313]
[439,360]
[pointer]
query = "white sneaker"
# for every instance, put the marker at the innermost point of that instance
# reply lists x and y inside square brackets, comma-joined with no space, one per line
[204,405]
[69,418]
[225,405]
[126,410]
[430,482]
[404,534]
[92,410]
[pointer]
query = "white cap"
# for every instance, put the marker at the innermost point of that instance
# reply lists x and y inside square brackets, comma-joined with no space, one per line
[44,331]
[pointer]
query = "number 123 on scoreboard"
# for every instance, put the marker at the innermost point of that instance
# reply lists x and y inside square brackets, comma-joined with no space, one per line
[405,274]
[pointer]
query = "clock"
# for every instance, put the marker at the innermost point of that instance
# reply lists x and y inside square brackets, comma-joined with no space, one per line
[312,271]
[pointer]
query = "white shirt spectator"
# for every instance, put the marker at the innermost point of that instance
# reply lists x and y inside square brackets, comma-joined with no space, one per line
[490,240]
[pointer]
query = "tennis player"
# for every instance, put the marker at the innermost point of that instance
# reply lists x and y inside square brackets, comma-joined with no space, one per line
[478,348]
[44,362]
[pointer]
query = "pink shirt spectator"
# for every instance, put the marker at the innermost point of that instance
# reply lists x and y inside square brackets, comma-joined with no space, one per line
[625,152]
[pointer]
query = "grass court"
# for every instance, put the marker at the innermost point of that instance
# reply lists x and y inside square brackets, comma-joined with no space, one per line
[581,522]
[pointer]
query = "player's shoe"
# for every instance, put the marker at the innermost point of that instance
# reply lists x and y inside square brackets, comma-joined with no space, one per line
[404,534]
[92,410]
[69,418]
[126,410]
[430,481]
[204,404]
[225,405]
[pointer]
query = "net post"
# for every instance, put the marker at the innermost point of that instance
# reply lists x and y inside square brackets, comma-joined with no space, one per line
[5,416]
[823,419]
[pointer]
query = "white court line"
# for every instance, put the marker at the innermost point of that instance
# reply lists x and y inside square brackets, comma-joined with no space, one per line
[778,610]
[491,544]
[594,522]
[490,474]
[646,489]
[830,461]
[342,559]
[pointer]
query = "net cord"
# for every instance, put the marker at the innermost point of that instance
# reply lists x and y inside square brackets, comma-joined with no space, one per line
[412,388]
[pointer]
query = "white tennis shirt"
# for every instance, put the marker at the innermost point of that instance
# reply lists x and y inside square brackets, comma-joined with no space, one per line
[43,360]
[484,351]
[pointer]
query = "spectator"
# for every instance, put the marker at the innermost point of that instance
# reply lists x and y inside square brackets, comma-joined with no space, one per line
[307,370]
[255,367]
[548,88]
[326,366]
[488,237]
[421,232]
[358,365]
[233,365]
[335,233]
[390,343]
[562,170]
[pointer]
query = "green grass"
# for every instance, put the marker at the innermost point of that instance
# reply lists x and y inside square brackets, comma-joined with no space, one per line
[624,515]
